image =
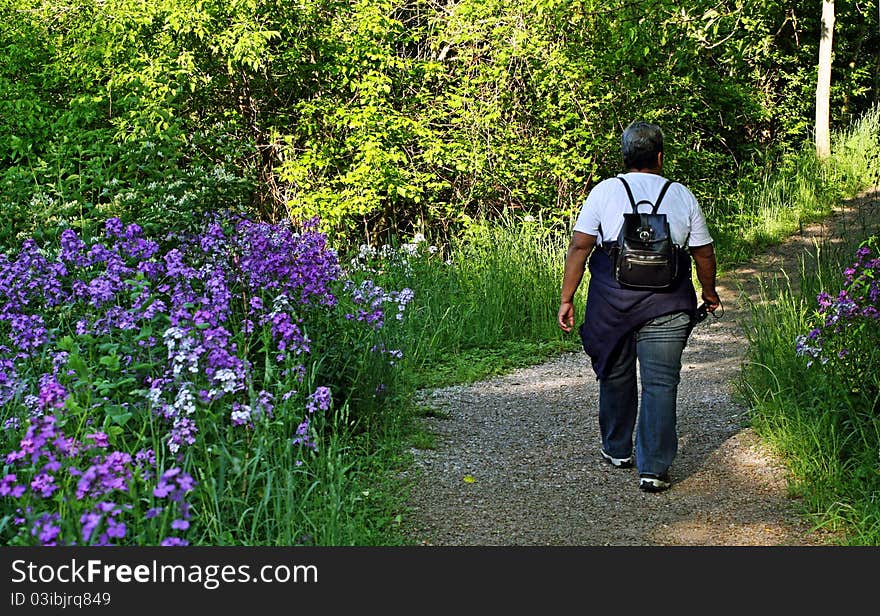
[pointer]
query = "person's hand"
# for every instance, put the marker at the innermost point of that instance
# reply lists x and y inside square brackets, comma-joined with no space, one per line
[565,318]
[711,298]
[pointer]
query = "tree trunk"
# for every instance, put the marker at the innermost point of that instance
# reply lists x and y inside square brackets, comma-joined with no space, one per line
[823,87]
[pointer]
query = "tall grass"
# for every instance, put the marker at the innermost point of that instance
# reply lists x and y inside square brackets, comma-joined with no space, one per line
[829,430]
[484,303]
[828,436]
[766,205]
[856,160]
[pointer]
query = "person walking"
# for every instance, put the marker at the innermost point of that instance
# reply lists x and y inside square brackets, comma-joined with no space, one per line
[623,327]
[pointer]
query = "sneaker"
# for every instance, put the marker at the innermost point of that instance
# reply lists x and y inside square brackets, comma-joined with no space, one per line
[651,482]
[618,462]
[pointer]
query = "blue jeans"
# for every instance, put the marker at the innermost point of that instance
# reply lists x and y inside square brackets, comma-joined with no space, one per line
[658,345]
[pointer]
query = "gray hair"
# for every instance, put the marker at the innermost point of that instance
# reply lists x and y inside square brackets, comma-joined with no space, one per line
[641,143]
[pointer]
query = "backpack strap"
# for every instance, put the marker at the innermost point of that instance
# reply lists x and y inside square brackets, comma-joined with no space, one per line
[661,195]
[629,194]
[654,206]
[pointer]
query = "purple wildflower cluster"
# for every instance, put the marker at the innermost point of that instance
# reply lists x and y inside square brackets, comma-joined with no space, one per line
[49,468]
[847,332]
[191,293]
[173,486]
[140,340]
[319,400]
[370,299]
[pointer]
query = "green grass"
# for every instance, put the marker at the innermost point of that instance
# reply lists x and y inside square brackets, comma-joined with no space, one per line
[828,432]
[474,364]
[828,437]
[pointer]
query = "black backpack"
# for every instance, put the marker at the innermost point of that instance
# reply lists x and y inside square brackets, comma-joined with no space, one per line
[645,258]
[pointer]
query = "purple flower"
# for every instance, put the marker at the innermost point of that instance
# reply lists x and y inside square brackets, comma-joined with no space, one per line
[100,438]
[101,291]
[233,299]
[214,241]
[173,484]
[28,332]
[180,524]
[34,444]
[183,432]
[46,529]
[173,541]
[303,435]
[145,462]
[241,414]
[52,393]
[72,248]
[44,485]
[185,483]
[113,228]
[115,529]
[319,399]
[107,474]
[844,335]
[175,266]
[8,487]
[88,523]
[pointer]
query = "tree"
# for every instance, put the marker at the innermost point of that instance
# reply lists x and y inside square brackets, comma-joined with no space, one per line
[823,86]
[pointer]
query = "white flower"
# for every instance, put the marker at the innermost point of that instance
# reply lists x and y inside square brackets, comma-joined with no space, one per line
[185,401]
[227,379]
[241,415]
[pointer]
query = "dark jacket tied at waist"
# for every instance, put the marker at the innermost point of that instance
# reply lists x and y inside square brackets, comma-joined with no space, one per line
[613,312]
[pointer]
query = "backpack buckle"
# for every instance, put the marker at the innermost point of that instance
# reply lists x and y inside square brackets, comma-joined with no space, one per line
[645,233]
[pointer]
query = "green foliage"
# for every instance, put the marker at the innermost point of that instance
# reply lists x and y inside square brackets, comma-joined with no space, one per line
[763,209]
[856,154]
[107,126]
[391,117]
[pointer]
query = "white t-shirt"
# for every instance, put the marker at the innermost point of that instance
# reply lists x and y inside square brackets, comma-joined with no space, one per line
[607,203]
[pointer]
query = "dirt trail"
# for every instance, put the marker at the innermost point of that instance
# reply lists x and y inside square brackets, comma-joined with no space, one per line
[516,459]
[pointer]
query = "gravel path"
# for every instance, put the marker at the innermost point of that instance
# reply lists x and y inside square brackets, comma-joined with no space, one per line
[516,459]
